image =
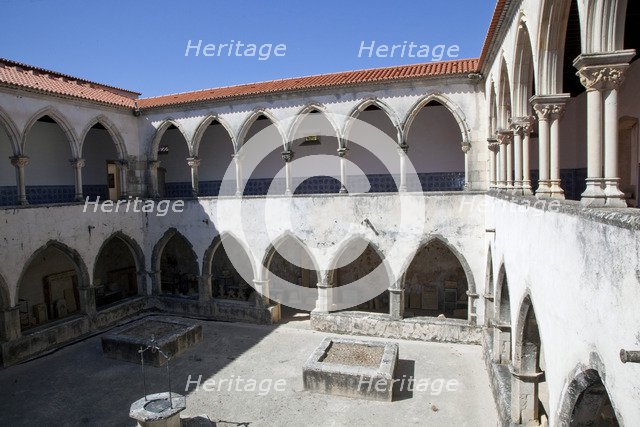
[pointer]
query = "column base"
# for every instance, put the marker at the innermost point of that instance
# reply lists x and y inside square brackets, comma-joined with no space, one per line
[556,191]
[517,188]
[526,188]
[343,190]
[23,202]
[79,198]
[594,195]
[615,197]
[544,190]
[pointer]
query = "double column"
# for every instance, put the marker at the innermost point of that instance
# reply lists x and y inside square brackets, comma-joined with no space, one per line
[193,163]
[77,165]
[287,156]
[504,140]
[20,162]
[522,127]
[494,147]
[237,161]
[549,109]
[602,75]
[466,149]
[342,153]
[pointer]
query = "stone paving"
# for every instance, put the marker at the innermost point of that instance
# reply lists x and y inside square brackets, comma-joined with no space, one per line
[78,385]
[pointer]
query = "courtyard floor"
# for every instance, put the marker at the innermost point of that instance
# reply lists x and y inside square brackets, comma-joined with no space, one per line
[77,385]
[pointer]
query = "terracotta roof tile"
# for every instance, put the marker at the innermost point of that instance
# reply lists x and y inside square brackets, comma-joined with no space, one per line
[15,74]
[432,69]
[493,28]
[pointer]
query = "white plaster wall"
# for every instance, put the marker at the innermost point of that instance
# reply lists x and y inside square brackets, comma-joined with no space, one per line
[581,275]
[98,148]
[7,170]
[49,152]
[215,153]
[175,162]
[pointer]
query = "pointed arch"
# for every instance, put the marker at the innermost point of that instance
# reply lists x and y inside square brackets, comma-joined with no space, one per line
[303,113]
[202,128]
[160,131]
[344,246]
[489,291]
[216,244]
[370,102]
[72,254]
[605,24]
[584,399]
[12,132]
[158,248]
[136,250]
[180,276]
[524,71]
[249,121]
[504,96]
[277,243]
[453,108]
[502,300]
[5,295]
[552,30]
[61,121]
[113,131]
[493,110]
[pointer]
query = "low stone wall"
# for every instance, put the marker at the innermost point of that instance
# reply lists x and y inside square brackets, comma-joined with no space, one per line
[382,325]
[56,334]
[500,379]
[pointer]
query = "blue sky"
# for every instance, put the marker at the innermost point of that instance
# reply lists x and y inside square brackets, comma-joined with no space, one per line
[140,45]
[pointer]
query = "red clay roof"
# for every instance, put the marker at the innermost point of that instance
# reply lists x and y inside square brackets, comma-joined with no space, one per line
[16,74]
[463,66]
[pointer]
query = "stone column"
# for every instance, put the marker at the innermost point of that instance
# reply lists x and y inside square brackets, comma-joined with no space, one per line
[205,294]
[20,162]
[527,127]
[342,153]
[554,160]
[237,160]
[602,74]
[287,156]
[510,185]
[472,297]
[10,324]
[466,148]
[517,157]
[262,288]
[402,154]
[323,304]
[504,139]
[77,165]
[123,169]
[87,300]
[153,177]
[549,109]
[494,147]
[524,397]
[193,163]
[396,302]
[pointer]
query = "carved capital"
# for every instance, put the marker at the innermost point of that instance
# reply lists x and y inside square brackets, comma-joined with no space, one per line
[154,164]
[19,161]
[122,164]
[549,111]
[77,163]
[404,147]
[605,77]
[523,125]
[287,156]
[342,152]
[504,137]
[466,147]
[493,145]
[193,162]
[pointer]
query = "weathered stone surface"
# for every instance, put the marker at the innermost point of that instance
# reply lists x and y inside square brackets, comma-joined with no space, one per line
[382,325]
[173,336]
[170,417]
[371,383]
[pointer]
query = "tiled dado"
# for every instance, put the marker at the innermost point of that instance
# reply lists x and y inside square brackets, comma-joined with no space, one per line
[572,182]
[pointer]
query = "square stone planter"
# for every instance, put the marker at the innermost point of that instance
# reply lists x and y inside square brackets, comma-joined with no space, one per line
[173,336]
[353,368]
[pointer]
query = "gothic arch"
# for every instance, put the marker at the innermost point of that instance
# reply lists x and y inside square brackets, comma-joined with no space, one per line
[5,296]
[493,110]
[583,379]
[156,255]
[273,248]
[303,113]
[457,113]
[369,102]
[202,128]
[249,121]
[210,252]
[504,96]
[60,121]
[136,251]
[605,24]
[160,131]
[524,71]
[471,284]
[502,300]
[11,130]
[344,245]
[554,18]
[115,135]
